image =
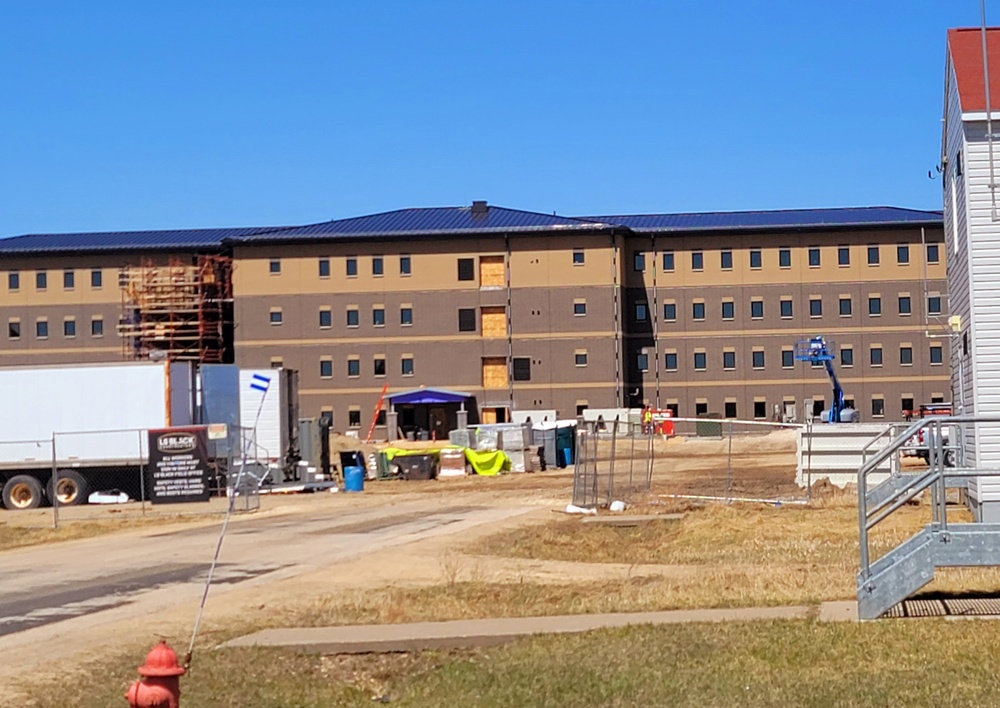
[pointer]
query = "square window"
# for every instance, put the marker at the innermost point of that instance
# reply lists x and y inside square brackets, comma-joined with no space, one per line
[728,360]
[96,278]
[325,369]
[786,309]
[351,267]
[378,266]
[787,359]
[378,316]
[41,329]
[642,362]
[69,280]
[668,262]
[698,310]
[814,258]
[466,269]
[353,368]
[784,258]
[97,327]
[937,355]
[354,419]
[274,266]
[730,409]
[41,280]
[846,357]
[934,305]
[353,319]
[670,361]
[69,328]
[906,355]
[641,312]
[580,358]
[522,368]
[578,256]
[275,317]
[700,361]
[697,260]
[878,407]
[845,307]
[902,254]
[874,306]
[579,308]
[873,256]
[933,253]
[728,310]
[405,266]
[466,320]
[324,267]
[13,280]
[325,318]
[875,356]
[816,307]
[756,260]
[726,260]
[844,256]
[406,316]
[757,309]
[13,330]
[277,362]
[905,306]
[670,312]
[406,366]
[760,409]
[758,360]
[378,367]
[700,408]
[639,261]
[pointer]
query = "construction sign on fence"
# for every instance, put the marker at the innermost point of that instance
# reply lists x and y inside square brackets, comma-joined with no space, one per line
[178,465]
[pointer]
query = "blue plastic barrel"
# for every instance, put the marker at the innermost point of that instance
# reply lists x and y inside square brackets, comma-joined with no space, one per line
[565,457]
[354,479]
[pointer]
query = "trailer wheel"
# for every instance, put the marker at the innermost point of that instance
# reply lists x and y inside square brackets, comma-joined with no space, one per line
[72,489]
[22,492]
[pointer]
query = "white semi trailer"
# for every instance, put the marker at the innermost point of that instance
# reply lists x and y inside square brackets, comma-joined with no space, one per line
[115,401]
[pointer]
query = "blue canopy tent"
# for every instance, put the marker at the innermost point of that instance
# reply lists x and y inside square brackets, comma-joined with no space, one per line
[428,411]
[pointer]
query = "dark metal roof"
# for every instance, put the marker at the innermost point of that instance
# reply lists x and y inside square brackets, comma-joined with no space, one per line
[182,239]
[434,221]
[875,216]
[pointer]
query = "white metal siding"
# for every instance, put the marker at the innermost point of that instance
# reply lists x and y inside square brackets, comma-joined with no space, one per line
[266,434]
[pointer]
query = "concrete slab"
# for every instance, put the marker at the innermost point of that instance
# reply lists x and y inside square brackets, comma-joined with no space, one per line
[843,611]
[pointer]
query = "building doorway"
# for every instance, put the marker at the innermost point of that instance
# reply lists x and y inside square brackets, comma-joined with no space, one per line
[496,414]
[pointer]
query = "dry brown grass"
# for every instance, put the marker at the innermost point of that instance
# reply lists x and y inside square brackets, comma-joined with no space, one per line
[17,536]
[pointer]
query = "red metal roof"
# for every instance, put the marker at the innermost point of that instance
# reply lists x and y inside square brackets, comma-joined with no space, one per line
[966,47]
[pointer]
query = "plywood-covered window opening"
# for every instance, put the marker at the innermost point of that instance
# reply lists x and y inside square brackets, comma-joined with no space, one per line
[491,272]
[494,321]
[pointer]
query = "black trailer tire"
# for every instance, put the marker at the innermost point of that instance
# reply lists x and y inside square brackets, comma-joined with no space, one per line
[73,489]
[22,492]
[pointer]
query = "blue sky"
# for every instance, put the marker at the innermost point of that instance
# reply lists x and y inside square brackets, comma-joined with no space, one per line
[138,115]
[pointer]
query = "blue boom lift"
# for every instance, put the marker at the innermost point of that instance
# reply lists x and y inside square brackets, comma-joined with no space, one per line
[817,350]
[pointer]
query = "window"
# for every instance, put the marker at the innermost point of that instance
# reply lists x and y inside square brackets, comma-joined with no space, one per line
[580,358]
[670,311]
[934,305]
[815,307]
[353,368]
[578,257]
[756,261]
[13,280]
[728,310]
[406,366]
[276,316]
[13,329]
[325,369]
[324,267]
[670,361]
[41,280]
[697,260]
[904,305]
[700,408]
[353,319]
[728,360]
[69,328]
[756,309]
[579,309]
[933,253]
[466,269]
[642,361]
[522,368]
[845,307]
[814,259]
[639,261]
[274,266]
[730,409]
[784,258]
[873,255]
[786,309]
[758,359]
[378,316]
[902,254]
[874,306]
[760,409]
[905,355]
[466,320]
[378,366]
[97,327]
[277,362]
[378,266]
[41,329]
[875,356]
[668,261]
[96,278]
[405,266]
[846,356]
[406,316]
[726,260]
[354,418]
[641,312]
[69,280]
[351,267]
[698,310]
[700,361]
[325,318]
[937,354]
[844,256]
[787,359]
[878,407]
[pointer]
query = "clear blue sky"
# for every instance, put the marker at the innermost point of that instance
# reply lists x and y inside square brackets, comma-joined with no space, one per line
[142,115]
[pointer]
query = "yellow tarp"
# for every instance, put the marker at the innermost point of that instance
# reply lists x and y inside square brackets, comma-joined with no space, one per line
[487,463]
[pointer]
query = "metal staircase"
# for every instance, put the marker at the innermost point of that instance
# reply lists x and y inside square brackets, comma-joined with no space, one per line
[905,569]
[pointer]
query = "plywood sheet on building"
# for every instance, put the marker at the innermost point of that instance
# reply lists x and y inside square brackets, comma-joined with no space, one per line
[494,372]
[494,321]
[491,271]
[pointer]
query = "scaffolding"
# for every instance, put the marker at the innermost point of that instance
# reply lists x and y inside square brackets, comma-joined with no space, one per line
[179,311]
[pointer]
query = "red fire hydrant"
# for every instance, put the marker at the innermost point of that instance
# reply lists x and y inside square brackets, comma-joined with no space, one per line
[160,685]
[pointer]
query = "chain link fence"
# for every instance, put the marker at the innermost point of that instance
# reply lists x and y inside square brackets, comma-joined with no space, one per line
[612,462]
